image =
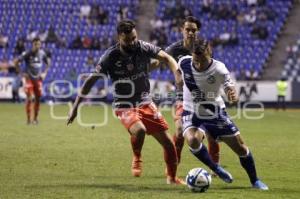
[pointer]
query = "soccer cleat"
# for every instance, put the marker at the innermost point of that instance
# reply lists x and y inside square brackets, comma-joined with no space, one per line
[260,185]
[224,175]
[35,122]
[175,181]
[213,174]
[136,166]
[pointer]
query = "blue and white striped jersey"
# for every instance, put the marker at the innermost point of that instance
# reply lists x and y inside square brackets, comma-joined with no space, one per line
[202,90]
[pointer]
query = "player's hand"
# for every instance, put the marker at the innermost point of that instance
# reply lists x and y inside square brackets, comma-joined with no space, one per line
[43,76]
[72,115]
[232,96]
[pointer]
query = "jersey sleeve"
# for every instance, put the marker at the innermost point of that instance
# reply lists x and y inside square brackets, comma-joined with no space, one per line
[23,56]
[170,51]
[226,78]
[102,64]
[47,55]
[150,49]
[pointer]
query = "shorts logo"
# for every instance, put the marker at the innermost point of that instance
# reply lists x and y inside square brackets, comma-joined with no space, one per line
[211,79]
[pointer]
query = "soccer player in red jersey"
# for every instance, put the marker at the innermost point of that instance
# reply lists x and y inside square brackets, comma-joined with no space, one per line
[34,75]
[127,63]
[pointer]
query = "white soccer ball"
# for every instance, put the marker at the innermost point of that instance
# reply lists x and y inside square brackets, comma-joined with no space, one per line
[198,180]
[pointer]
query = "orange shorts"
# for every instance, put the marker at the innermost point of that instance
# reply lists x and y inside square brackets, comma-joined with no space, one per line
[33,87]
[148,114]
[178,111]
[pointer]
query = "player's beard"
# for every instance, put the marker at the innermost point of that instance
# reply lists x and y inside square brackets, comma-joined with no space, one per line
[130,49]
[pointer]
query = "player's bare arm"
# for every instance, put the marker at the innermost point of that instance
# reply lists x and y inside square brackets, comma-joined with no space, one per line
[231,94]
[17,63]
[87,85]
[170,61]
[48,64]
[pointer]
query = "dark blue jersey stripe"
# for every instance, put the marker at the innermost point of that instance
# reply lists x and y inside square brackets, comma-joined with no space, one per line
[189,80]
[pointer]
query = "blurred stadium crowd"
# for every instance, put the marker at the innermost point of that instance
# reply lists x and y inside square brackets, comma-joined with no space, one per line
[76,33]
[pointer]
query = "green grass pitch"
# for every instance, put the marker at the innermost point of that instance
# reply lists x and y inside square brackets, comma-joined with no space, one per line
[52,160]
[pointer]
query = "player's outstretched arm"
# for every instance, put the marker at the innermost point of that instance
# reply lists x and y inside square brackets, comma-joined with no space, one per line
[231,94]
[170,61]
[87,85]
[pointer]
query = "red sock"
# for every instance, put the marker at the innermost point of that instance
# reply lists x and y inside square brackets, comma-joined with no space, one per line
[214,150]
[28,109]
[137,144]
[36,108]
[170,159]
[179,142]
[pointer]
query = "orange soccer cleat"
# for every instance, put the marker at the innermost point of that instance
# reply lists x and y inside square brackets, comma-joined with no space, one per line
[136,166]
[175,181]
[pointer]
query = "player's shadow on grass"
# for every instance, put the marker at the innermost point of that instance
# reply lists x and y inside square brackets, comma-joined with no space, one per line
[119,187]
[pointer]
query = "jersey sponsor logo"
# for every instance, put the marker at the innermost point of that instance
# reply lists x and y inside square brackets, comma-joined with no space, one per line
[211,79]
[130,67]
[118,63]
[119,72]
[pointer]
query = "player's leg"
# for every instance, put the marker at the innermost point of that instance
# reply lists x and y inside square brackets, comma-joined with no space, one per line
[178,136]
[28,88]
[178,139]
[213,149]
[37,88]
[157,127]
[28,106]
[194,137]
[246,159]
[170,156]
[137,135]
[129,118]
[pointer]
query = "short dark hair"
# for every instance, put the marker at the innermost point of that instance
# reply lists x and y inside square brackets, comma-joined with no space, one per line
[192,19]
[36,39]
[200,45]
[125,26]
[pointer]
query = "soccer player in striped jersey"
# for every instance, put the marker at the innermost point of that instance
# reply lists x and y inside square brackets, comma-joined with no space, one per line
[34,76]
[190,30]
[204,111]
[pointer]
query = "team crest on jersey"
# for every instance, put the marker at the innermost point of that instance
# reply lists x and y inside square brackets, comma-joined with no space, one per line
[187,76]
[211,79]
[130,67]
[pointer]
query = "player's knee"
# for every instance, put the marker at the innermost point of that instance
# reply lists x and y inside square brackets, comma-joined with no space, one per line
[179,132]
[243,150]
[178,127]
[139,132]
[193,141]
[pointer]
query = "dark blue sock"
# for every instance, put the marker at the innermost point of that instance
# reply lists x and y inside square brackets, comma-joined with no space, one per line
[204,157]
[249,165]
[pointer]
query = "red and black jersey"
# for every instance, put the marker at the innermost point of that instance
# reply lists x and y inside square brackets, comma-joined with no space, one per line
[129,72]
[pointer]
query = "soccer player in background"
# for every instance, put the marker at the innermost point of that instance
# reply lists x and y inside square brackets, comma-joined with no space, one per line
[204,111]
[34,75]
[129,60]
